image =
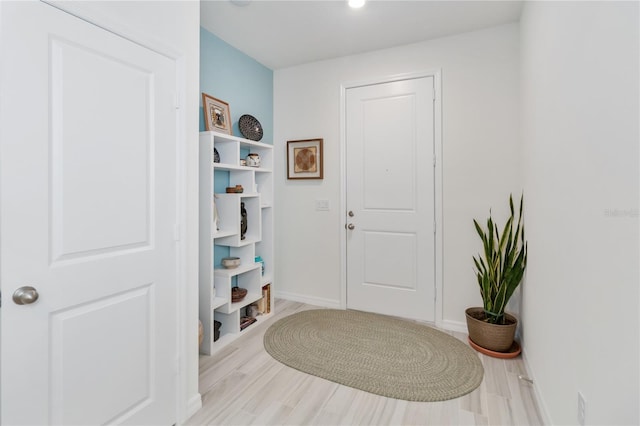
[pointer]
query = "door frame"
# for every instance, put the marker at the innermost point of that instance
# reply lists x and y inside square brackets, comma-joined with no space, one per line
[437,140]
[184,234]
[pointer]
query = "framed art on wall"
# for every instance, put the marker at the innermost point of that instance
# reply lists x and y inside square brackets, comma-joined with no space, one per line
[304,159]
[217,116]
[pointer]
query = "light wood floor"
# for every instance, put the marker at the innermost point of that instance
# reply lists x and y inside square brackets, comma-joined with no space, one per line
[243,385]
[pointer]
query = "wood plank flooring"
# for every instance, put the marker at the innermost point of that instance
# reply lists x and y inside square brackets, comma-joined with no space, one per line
[243,385]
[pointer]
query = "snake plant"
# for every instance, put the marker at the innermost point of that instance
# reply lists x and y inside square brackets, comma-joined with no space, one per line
[500,270]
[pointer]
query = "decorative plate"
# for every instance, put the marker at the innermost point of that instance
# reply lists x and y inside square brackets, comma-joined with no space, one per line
[250,127]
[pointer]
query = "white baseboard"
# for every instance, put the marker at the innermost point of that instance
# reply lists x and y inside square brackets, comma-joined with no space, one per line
[309,300]
[544,412]
[453,325]
[194,404]
[542,407]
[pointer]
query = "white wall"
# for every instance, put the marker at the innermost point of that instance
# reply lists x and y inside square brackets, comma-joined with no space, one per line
[580,132]
[481,153]
[172,28]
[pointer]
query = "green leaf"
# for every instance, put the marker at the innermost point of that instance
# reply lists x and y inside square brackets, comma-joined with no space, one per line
[500,269]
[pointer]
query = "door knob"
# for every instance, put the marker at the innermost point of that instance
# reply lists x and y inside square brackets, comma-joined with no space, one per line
[351,226]
[25,295]
[350,213]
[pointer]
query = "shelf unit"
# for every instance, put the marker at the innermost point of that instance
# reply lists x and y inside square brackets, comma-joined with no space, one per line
[215,282]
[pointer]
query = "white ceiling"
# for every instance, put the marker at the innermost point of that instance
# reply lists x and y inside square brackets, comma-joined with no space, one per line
[280,34]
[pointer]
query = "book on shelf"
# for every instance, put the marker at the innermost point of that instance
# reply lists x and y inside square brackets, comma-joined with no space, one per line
[246,322]
[261,305]
[266,297]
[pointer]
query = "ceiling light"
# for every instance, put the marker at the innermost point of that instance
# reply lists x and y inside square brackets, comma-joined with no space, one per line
[356,3]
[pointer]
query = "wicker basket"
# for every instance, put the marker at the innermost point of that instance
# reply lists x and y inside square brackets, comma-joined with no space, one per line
[237,294]
[495,337]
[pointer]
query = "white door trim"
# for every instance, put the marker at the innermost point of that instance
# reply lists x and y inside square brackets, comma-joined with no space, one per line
[436,74]
[186,405]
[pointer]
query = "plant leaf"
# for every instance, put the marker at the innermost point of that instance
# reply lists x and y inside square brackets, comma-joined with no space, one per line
[500,269]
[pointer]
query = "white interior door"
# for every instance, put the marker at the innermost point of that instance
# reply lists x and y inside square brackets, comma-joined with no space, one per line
[88,207]
[390,198]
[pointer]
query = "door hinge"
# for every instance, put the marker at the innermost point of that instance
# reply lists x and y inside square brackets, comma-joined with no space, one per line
[433,94]
[178,104]
[434,227]
[176,232]
[434,160]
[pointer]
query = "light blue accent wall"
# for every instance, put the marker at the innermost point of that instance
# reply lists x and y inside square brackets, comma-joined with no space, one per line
[246,85]
[231,76]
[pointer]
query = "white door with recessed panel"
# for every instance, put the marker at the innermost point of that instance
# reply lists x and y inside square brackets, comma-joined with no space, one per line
[87,210]
[390,198]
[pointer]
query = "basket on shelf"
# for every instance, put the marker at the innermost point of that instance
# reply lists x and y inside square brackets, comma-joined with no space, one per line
[238,189]
[237,294]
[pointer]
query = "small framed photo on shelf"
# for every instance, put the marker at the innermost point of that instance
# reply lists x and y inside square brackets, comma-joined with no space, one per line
[304,159]
[217,116]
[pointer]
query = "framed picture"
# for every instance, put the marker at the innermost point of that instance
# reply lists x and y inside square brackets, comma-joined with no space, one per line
[216,114]
[304,159]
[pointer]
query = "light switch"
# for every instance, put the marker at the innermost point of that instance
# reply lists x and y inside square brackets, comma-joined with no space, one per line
[322,205]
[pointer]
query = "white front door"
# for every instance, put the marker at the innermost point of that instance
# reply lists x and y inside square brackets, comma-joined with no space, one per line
[87,214]
[390,198]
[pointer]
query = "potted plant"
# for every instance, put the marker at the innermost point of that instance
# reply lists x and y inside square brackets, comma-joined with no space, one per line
[499,271]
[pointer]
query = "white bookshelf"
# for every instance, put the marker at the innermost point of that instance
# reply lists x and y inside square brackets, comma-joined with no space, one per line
[215,282]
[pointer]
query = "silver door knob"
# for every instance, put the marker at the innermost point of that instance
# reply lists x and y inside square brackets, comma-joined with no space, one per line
[351,226]
[25,295]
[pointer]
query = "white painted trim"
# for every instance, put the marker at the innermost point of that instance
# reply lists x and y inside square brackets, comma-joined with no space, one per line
[91,13]
[186,405]
[309,300]
[542,407]
[389,79]
[437,127]
[1,91]
[438,202]
[194,404]
[343,196]
[449,325]
[181,250]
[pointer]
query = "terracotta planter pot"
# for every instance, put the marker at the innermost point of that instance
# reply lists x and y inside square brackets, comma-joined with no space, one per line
[494,337]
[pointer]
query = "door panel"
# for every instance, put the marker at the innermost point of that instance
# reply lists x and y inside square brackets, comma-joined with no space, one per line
[87,214]
[390,190]
[78,334]
[389,175]
[114,198]
[394,248]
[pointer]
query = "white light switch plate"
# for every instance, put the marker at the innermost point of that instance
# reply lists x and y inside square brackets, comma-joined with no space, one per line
[322,205]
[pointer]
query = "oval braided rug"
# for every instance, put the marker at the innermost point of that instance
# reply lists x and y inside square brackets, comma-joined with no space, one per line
[379,354]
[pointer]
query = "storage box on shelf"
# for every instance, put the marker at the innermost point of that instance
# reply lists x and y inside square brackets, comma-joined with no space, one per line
[216,282]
